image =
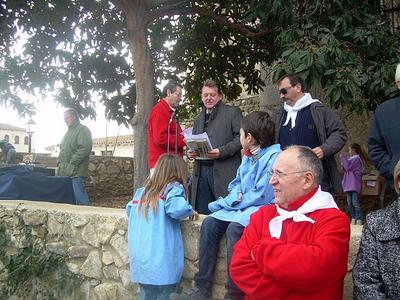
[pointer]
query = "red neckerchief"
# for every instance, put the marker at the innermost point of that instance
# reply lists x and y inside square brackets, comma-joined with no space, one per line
[247,153]
[301,200]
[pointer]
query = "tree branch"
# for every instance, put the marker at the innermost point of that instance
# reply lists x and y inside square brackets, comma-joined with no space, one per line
[241,28]
[170,3]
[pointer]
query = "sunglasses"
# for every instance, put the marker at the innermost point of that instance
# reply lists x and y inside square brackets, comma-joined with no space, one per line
[284,91]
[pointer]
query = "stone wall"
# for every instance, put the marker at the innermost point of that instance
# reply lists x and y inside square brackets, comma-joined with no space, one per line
[93,242]
[113,175]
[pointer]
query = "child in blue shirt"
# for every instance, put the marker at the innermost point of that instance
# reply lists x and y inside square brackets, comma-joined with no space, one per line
[247,193]
[154,233]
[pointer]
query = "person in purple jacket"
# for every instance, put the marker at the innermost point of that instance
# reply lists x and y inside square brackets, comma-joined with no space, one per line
[353,166]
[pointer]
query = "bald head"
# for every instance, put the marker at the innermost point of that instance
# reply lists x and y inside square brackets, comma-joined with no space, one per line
[296,172]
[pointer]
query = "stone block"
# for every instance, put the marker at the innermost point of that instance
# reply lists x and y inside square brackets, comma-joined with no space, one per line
[34,217]
[92,266]
[38,231]
[78,251]
[125,278]
[93,236]
[111,272]
[191,245]
[120,245]
[190,268]
[106,291]
[79,220]
[107,258]
[54,226]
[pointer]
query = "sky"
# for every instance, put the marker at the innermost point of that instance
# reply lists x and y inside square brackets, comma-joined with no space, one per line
[50,126]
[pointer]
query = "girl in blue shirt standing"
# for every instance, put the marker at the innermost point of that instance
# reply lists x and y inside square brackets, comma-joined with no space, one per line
[154,233]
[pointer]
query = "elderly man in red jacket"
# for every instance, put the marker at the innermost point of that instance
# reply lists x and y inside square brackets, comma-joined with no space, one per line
[164,132]
[298,247]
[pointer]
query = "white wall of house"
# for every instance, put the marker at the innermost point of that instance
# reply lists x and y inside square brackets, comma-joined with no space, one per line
[123,150]
[16,136]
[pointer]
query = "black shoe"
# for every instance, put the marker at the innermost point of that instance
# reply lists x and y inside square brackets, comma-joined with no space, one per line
[191,294]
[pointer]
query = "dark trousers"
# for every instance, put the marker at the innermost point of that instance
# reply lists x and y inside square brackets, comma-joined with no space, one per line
[326,184]
[211,233]
[205,189]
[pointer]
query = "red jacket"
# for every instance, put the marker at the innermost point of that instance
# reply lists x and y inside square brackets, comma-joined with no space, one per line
[308,261]
[157,133]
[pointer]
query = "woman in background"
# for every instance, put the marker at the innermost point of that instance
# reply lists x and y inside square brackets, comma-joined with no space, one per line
[353,165]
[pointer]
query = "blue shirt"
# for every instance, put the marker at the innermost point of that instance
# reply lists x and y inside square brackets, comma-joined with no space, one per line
[155,244]
[252,180]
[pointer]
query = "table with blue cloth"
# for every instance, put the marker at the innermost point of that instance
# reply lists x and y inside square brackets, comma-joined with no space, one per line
[22,183]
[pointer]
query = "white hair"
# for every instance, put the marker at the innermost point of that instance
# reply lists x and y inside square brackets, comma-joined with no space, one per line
[397,76]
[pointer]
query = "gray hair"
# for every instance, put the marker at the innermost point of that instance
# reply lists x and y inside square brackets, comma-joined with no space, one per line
[72,112]
[308,161]
[171,86]
[397,75]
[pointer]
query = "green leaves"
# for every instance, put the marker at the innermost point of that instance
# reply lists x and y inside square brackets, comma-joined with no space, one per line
[80,50]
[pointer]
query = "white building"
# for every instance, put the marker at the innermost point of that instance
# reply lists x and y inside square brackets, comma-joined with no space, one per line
[17,136]
[121,146]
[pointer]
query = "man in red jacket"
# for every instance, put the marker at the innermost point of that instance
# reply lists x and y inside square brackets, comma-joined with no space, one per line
[298,247]
[163,131]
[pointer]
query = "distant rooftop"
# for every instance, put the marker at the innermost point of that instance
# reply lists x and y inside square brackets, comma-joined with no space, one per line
[122,139]
[4,126]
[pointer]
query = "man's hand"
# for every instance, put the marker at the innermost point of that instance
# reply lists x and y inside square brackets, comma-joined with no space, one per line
[318,151]
[214,153]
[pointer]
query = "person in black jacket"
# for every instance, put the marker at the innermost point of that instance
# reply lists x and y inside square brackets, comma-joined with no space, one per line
[306,121]
[212,175]
[9,152]
[384,138]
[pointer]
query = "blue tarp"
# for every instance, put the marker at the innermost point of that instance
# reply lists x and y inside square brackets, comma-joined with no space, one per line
[21,183]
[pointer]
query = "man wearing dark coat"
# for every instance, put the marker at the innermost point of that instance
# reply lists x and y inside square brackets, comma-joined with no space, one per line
[222,123]
[384,138]
[308,122]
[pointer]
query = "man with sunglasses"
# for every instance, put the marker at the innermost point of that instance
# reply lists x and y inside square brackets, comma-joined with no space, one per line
[384,138]
[308,122]
[298,247]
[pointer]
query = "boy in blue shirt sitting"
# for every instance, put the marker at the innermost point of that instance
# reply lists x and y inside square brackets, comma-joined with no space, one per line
[247,192]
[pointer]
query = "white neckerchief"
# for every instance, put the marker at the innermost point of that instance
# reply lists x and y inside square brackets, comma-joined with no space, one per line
[320,200]
[304,101]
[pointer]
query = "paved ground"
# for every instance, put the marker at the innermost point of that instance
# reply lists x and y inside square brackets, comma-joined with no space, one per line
[114,202]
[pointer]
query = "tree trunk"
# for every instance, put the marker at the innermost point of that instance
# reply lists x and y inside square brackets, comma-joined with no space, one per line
[143,64]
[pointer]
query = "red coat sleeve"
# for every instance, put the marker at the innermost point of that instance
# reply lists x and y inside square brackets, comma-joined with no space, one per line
[158,129]
[305,266]
[244,270]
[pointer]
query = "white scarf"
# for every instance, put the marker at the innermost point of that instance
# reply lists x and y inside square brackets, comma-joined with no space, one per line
[320,200]
[304,101]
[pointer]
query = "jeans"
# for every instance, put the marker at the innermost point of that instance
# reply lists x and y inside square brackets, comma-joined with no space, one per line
[156,292]
[353,203]
[211,233]
[205,189]
[81,197]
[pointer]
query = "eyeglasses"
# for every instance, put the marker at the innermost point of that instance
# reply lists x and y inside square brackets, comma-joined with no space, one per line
[278,175]
[284,91]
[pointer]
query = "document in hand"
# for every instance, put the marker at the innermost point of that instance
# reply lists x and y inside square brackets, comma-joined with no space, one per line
[197,142]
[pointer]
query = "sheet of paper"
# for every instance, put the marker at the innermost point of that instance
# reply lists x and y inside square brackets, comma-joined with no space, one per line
[197,142]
